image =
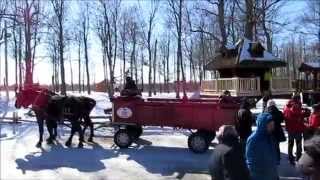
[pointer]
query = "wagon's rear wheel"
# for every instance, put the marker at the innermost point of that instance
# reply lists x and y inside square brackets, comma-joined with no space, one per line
[198,142]
[123,138]
[135,131]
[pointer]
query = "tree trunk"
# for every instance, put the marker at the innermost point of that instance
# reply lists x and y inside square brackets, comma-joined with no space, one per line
[249,23]
[154,67]
[87,60]
[20,57]
[79,64]
[71,75]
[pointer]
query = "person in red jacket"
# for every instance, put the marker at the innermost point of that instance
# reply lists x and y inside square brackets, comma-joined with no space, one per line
[314,121]
[294,116]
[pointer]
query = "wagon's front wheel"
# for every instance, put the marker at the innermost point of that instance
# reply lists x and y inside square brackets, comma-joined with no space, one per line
[198,143]
[122,138]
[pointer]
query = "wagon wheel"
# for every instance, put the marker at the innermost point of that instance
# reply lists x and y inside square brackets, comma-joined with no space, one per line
[135,131]
[123,138]
[198,142]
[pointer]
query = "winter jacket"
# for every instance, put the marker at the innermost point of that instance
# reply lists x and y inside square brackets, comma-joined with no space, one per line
[245,120]
[278,118]
[309,163]
[227,162]
[261,153]
[294,114]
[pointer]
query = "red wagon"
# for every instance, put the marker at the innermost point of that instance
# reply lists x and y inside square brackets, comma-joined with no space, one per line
[202,116]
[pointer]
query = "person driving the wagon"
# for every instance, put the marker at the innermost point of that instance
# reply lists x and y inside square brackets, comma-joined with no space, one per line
[130,88]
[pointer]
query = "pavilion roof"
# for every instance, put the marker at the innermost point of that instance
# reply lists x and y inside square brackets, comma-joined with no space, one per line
[310,65]
[244,54]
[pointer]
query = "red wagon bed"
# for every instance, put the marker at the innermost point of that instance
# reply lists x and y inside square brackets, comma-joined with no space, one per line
[203,115]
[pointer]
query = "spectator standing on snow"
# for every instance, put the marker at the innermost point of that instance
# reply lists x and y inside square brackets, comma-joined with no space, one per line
[278,118]
[261,153]
[309,163]
[227,161]
[265,99]
[294,119]
[244,122]
[314,121]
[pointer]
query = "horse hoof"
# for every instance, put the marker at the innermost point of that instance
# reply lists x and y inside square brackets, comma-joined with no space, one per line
[80,145]
[90,140]
[49,141]
[68,143]
[38,145]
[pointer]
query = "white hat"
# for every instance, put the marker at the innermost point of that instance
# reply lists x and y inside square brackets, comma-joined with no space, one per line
[271,103]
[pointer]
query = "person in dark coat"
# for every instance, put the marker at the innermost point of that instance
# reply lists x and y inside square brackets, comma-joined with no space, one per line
[265,99]
[244,122]
[130,88]
[309,163]
[278,118]
[227,161]
[261,153]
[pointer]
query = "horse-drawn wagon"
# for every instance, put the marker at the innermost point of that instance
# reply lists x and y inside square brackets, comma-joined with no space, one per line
[202,116]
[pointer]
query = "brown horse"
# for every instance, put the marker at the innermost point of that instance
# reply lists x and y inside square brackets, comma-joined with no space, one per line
[50,107]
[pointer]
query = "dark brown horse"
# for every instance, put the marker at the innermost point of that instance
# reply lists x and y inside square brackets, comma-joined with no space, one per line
[50,108]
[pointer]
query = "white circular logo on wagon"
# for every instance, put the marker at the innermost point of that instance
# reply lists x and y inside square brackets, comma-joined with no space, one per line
[124,112]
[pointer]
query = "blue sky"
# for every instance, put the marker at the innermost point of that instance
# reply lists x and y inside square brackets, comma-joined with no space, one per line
[290,12]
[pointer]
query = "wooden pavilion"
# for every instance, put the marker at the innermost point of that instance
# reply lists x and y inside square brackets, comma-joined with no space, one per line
[245,69]
[309,83]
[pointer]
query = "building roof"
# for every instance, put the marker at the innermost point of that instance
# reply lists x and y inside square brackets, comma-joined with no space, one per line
[311,65]
[244,54]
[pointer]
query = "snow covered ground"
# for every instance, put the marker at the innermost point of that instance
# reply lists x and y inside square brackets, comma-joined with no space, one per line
[159,154]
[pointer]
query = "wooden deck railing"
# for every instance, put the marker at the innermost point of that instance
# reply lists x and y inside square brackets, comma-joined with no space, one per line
[280,84]
[243,86]
[237,86]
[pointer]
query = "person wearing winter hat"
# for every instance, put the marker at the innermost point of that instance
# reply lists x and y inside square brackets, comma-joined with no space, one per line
[278,118]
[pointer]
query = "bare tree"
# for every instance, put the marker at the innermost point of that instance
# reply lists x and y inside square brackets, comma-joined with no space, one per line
[84,34]
[176,12]
[107,31]
[59,10]
[155,66]
[150,27]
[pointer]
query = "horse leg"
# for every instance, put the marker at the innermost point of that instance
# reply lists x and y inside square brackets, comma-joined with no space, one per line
[50,127]
[73,130]
[78,127]
[89,123]
[55,129]
[40,125]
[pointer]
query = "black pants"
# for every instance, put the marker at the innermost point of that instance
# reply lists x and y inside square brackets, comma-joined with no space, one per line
[295,138]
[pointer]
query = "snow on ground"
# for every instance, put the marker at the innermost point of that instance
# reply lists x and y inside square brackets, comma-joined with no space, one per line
[159,154]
